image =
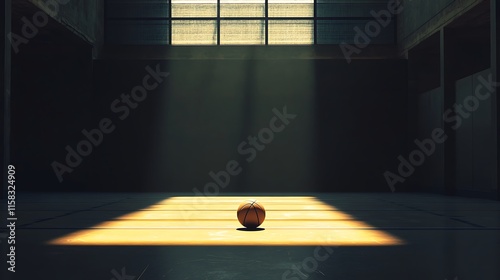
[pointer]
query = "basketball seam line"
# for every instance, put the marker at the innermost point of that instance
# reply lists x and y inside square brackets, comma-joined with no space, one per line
[245,219]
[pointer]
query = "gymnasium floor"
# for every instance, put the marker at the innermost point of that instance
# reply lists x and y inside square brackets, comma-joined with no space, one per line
[305,236]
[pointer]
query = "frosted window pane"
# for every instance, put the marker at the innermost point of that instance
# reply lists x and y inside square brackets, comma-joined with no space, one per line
[194,8]
[242,10]
[242,1]
[291,32]
[247,32]
[194,32]
[290,1]
[291,10]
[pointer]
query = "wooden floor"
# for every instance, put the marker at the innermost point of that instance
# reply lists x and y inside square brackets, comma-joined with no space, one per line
[305,236]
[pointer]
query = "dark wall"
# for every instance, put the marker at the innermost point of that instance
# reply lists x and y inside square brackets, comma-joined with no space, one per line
[349,129]
[83,17]
[442,69]
[2,49]
[417,13]
[51,97]
[362,120]
[430,109]
[2,77]
[476,139]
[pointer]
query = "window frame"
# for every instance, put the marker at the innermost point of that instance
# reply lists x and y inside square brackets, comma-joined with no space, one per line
[266,18]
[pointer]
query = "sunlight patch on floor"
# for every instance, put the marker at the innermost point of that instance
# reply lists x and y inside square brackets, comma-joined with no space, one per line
[211,221]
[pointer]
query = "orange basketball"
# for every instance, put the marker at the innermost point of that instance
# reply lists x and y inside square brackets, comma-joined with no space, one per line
[251,214]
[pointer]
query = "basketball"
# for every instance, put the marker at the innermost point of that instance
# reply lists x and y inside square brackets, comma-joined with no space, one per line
[251,214]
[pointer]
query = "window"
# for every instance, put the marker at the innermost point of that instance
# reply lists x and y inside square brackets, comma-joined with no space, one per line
[240,22]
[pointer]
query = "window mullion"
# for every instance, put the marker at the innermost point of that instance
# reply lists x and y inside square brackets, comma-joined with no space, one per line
[315,24]
[170,23]
[218,22]
[266,22]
